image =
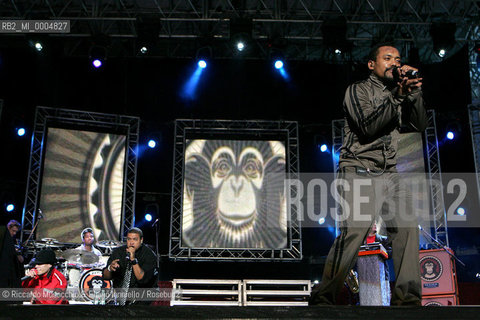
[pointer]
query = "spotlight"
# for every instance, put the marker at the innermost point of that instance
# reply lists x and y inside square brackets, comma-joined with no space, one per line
[316,282]
[143,50]
[10,207]
[460,211]
[97,63]
[38,46]
[334,34]
[323,147]
[21,132]
[443,37]
[321,220]
[152,144]
[148,217]
[450,135]
[240,46]
[97,55]
[278,64]
[202,64]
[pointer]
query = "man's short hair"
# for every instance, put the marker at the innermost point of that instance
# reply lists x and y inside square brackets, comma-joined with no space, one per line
[372,55]
[137,231]
[13,223]
[86,230]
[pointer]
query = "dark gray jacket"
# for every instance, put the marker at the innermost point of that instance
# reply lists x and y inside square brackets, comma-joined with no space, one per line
[374,114]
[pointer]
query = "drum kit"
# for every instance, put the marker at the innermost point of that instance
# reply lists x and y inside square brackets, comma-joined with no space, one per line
[78,266]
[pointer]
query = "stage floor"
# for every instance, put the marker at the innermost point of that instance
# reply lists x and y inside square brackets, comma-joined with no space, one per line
[207,312]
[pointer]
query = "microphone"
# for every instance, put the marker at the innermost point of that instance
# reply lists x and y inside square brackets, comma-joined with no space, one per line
[28,277]
[410,74]
[25,278]
[155,222]
[128,256]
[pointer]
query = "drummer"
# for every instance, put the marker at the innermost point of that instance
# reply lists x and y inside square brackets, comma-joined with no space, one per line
[88,238]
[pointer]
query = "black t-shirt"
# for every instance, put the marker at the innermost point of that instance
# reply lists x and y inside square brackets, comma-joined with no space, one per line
[147,260]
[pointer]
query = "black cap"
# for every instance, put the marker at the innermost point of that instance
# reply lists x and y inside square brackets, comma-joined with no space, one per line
[45,256]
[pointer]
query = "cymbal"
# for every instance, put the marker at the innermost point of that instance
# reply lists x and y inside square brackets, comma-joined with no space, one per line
[47,243]
[109,244]
[78,256]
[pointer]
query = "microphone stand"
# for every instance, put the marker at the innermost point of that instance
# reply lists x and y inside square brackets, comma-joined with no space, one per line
[155,224]
[441,246]
[40,216]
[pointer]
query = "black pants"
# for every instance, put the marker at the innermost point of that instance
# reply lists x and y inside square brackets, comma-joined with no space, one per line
[386,197]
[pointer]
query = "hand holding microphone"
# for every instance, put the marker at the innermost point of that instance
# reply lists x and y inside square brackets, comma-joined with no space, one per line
[130,253]
[408,78]
[32,273]
[407,71]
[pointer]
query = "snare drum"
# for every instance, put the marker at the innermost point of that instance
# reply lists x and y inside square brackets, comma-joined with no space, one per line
[92,282]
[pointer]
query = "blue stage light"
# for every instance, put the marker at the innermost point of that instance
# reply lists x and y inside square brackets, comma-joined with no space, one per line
[148,217]
[278,64]
[460,211]
[97,63]
[190,87]
[152,144]
[202,64]
[450,135]
[323,148]
[10,207]
[21,132]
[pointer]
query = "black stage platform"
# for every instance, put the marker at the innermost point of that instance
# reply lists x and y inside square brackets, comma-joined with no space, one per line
[209,312]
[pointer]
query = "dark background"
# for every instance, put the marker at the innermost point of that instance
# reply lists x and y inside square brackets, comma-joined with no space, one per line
[228,89]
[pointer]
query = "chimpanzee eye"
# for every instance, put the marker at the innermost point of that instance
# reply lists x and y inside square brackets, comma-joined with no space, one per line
[222,167]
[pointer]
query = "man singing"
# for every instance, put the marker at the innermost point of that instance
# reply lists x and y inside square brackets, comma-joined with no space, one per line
[132,265]
[375,110]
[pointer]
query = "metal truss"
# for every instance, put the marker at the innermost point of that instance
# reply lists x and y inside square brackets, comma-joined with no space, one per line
[434,173]
[440,231]
[474,119]
[474,66]
[295,26]
[44,117]
[337,139]
[258,127]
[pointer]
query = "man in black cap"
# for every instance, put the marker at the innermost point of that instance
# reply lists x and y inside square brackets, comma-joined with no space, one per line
[45,276]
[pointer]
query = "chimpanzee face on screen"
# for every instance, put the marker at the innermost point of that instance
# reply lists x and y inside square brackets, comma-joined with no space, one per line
[234,194]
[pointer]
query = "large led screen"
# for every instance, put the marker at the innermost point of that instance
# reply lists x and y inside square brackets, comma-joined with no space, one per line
[82,185]
[234,194]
